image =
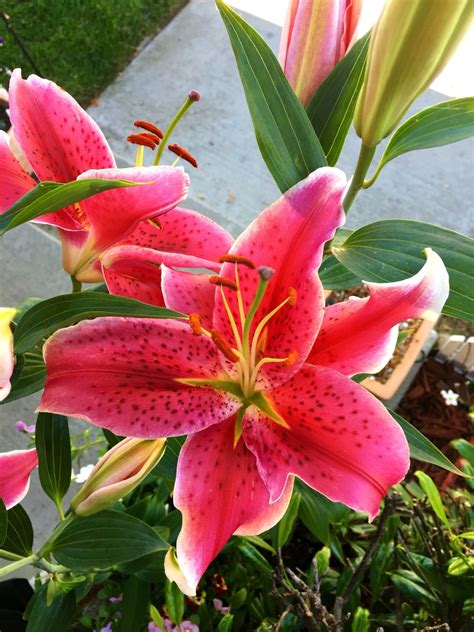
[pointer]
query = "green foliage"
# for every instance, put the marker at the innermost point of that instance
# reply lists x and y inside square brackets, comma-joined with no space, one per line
[54,455]
[3,522]
[331,109]
[287,141]
[51,617]
[19,537]
[81,44]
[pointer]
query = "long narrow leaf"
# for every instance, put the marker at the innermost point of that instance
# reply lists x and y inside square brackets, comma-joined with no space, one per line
[331,109]
[285,136]
[46,317]
[47,197]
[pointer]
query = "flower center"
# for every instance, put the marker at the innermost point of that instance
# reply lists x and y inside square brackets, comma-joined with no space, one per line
[247,348]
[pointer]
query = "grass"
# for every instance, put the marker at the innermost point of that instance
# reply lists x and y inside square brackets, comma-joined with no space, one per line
[80,44]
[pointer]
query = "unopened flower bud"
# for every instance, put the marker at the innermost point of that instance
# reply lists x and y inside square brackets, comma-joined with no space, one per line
[194,95]
[117,473]
[409,46]
[7,360]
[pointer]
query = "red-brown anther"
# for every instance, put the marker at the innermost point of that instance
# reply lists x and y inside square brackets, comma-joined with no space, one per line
[142,139]
[291,359]
[237,259]
[222,345]
[217,280]
[292,296]
[149,127]
[185,155]
[156,223]
[195,324]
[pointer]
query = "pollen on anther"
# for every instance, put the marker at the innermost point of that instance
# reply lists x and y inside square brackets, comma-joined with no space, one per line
[195,324]
[143,139]
[292,296]
[291,359]
[230,258]
[154,129]
[184,154]
[222,281]
[222,345]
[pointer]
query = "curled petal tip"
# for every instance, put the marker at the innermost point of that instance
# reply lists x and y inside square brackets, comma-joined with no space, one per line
[175,574]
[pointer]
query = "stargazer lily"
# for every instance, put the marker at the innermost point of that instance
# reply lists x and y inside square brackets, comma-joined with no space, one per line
[61,143]
[15,471]
[259,377]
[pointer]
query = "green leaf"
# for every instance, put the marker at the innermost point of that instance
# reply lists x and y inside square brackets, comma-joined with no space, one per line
[317,512]
[174,600]
[323,557]
[287,523]
[47,197]
[285,136]
[460,565]
[46,317]
[465,449]
[54,455]
[411,585]
[440,124]
[361,620]
[253,556]
[392,249]
[331,109]
[29,375]
[104,540]
[3,522]
[226,623]
[19,537]
[134,606]
[428,486]
[53,618]
[422,449]
[334,276]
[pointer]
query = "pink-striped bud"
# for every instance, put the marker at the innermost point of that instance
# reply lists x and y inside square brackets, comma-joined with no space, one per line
[316,36]
[117,473]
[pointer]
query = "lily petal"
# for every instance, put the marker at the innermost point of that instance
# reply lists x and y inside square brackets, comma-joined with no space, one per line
[15,471]
[59,139]
[189,293]
[120,374]
[341,440]
[183,231]
[219,492]
[289,237]
[136,272]
[14,181]
[7,360]
[112,215]
[359,336]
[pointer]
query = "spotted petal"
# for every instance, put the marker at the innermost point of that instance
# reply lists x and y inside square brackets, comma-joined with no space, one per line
[288,236]
[189,293]
[219,492]
[341,440]
[14,181]
[359,336]
[120,374]
[15,471]
[183,231]
[137,272]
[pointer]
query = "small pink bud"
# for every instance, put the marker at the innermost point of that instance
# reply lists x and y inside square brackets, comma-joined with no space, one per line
[117,473]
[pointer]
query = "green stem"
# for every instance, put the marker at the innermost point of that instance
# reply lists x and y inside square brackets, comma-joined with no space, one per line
[59,507]
[365,158]
[18,564]
[76,285]
[177,117]
[10,556]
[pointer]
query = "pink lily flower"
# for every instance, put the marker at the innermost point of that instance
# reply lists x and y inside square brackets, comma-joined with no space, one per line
[237,379]
[61,142]
[7,359]
[15,471]
[183,239]
[316,35]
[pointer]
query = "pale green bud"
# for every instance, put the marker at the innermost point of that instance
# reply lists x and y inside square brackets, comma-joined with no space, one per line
[410,45]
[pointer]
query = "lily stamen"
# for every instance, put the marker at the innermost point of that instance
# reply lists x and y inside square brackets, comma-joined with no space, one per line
[222,345]
[223,282]
[149,127]
[184,154]
[231,258]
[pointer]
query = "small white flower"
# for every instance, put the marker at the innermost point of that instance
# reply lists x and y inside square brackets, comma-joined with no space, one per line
[450,397]
[84,473]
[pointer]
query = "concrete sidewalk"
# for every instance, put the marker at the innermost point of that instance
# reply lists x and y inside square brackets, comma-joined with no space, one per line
[232,183]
